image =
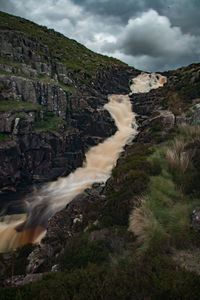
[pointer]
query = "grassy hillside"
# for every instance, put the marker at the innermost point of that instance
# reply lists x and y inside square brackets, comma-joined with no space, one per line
[62,49]
[160,259]
[183,88]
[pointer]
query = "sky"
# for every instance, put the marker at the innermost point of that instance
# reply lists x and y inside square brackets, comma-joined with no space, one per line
[150,35]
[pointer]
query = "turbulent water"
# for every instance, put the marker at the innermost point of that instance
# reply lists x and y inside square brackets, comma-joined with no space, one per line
[145,82]
[17,230]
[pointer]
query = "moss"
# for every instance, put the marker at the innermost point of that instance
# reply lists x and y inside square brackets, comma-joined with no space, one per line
[15,105]
[48,124]
[3,137]
[156,125]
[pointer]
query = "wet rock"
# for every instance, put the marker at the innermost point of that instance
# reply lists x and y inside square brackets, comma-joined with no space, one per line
[9,189]
[63,75]
[51,97]
[165,117]
[79,213]
[195,219]
[17,46]
[55,268]
[30,75]
[196,115]
[39,257]
[2,271]
[182,119]
[19,280]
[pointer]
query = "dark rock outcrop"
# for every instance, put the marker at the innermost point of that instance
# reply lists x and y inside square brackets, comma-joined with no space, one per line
[50,114]
[195,219]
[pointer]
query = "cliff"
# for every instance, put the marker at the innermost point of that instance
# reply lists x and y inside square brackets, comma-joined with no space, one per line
[51,98]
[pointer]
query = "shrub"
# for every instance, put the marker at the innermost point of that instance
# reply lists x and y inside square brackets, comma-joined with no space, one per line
[79,252]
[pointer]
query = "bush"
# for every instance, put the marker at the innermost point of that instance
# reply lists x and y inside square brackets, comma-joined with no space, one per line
[79,252]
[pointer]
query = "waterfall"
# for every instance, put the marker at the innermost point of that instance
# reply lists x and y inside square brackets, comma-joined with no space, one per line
[100,160]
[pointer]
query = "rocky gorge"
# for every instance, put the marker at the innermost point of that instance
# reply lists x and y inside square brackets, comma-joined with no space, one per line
[37,91]
[137,236]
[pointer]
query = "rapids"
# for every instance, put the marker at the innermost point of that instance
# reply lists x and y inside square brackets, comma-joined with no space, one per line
[16,230]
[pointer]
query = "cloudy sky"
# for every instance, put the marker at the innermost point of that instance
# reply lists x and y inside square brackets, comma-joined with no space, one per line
[151,35]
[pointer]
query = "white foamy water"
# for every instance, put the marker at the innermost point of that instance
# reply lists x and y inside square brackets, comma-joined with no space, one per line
[97,168]
[145,82]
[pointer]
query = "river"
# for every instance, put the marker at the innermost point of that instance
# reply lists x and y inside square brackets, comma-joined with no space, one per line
[20,229]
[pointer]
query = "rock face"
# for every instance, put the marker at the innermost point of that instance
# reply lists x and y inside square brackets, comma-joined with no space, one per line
[195,219]
[50,113]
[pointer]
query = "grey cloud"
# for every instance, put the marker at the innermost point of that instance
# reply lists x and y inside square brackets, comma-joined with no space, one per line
[117,8]
[153,35]
[183,13]
[150,42]
[7,6]
[148,34]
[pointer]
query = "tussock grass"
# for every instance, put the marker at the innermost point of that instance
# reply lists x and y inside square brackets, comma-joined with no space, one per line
[178,157]
[162,220]
[190,133]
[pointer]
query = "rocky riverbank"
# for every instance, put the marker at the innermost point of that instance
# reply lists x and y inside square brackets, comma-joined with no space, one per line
[50,112]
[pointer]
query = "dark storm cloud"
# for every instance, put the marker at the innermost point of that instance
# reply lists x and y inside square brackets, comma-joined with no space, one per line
[118,8]
[153,35]
[148,34]
[183,13]
[152,40]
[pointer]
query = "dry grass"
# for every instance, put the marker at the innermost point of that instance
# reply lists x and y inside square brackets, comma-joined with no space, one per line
[188,259]
[146,227]
[178,157]
[191,133]
[139,220]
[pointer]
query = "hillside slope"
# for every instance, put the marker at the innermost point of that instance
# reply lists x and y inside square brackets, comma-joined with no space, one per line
[137,237]
[52,92]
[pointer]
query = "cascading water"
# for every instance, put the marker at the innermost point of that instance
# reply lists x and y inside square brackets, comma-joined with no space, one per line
[17,230]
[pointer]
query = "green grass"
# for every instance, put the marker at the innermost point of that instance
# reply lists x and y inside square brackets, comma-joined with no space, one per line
[48,124]
[163,219]
[75,56]
[129,178]
[161,222]
[3,137]
[180,92]
[6,61]
[15,105]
